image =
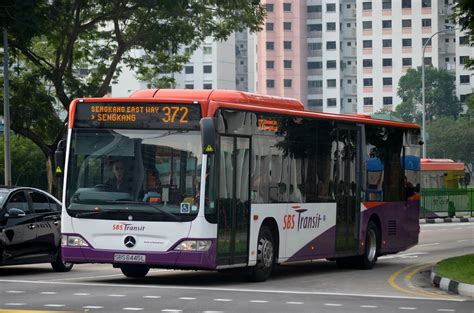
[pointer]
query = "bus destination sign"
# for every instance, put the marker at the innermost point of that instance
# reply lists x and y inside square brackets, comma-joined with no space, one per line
[137,115]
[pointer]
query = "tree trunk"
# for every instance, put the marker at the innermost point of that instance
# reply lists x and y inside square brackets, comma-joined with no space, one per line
[54,186]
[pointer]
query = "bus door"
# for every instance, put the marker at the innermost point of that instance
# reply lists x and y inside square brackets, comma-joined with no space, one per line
[233,205]
[347,189]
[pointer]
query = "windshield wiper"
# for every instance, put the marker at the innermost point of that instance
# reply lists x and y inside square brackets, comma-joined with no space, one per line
[176,218]
[96,212]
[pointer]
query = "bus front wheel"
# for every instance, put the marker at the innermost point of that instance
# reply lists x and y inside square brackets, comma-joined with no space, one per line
[134,271]
[265,256]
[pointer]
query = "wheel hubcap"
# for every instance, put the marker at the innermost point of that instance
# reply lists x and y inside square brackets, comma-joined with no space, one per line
[372,245]
[267,253]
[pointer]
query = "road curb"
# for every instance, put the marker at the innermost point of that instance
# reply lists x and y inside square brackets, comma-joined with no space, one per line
[447,220]
[447,284]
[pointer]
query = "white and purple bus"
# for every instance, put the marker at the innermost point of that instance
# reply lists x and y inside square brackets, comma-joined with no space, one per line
[218,180]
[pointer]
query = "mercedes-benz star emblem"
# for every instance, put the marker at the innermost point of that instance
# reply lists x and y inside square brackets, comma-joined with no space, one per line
[129,241]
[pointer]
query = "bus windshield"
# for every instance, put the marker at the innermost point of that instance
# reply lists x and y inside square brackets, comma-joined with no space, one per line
[150,175]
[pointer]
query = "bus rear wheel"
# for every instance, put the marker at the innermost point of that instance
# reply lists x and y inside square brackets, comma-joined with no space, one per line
[134,271]
[371,248]
[265,256]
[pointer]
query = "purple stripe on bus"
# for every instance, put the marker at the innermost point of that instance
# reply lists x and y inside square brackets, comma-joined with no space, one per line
[320,247]
[178,259]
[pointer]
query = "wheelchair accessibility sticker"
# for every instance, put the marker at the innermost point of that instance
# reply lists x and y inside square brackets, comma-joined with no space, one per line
[185,208]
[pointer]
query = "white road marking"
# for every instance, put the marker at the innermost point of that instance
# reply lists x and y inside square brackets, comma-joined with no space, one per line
[15,304]
[52,305]
[464,240]
[81,294]
[406,308]
[151,297]
[48,293]
[294,302]
[411,255]
[369,306]
[223,300]
[86,277]
[117,296]
[262,291]
[212,311]
[187,298]
[14,291]
[171,310]
[428,244]
[132,309]
[92,307]
[258,301]
[446,310]
[332,304]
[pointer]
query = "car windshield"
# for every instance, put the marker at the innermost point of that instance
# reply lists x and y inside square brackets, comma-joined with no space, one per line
[3,197]
[154,174]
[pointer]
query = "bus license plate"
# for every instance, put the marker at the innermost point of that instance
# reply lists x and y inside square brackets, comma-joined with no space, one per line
[138,258]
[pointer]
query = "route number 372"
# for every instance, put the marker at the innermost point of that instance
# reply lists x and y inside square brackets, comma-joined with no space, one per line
[175,114]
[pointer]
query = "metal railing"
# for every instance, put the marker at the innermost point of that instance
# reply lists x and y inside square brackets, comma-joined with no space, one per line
[447,202]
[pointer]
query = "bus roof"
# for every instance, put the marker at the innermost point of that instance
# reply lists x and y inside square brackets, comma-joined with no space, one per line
[213,99]
[441,165]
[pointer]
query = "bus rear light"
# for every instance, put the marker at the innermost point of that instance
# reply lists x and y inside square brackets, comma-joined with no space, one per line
[73,241]
[194,245]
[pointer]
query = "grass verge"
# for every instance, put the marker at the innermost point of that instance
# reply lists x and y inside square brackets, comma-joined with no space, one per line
[459,268]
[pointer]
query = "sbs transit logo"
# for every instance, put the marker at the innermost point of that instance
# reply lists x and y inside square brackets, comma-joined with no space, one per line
[125,227]
[300,220]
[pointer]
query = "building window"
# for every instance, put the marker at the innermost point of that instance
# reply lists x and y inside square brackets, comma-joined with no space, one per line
[207,50]
[270,83]
[189,69]
[406,62]
[315,65]
[426,22]
[406,42]
[287,45]
[207,69]
[426,41]
[368,82]
[367,44]
[387,100]
[464,40]
[330,7]
[314,9]
[387,81]
[367,25]
[315,102]
[332,102]
[349,43]
[406,23]
[386,4]
[287,26]
[331,64]
[463,59]
[367,63]
[314,46]
[330,45]
[426,3]
[315,27]
[270,64]
[207,86]
[330,26]
[368,101]
[387,24]
[464,79]
[269,26]
[428,61]
[270,45]
[406,4]
[366,5]
[386,62]
[269,7]
[462,98]
[287,7]
[331,83]
[387,43]
[189,86]
[287,83]
[287,63]
[315,83]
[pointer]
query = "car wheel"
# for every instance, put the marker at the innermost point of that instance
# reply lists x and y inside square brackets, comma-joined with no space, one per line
[135,271]
[60,265]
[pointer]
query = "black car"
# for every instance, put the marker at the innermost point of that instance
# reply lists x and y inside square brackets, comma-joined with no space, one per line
[30,228]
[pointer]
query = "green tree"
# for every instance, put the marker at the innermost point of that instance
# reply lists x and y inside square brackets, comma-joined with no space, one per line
[408,112]
[77,48]
[27,163]
[464,16]
[440,99]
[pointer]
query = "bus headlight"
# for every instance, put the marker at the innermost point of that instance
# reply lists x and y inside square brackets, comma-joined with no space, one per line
[73,241]
[194,245]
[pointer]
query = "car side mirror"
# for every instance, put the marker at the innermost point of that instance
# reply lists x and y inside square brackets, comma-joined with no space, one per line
[14,212]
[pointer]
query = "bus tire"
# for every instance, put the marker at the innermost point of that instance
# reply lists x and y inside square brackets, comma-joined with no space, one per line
[59,265]
[265,256]
[371,247]
[134,271]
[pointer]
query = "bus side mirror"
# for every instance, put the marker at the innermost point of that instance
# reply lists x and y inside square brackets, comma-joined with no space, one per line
[208,135]
[59,158]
